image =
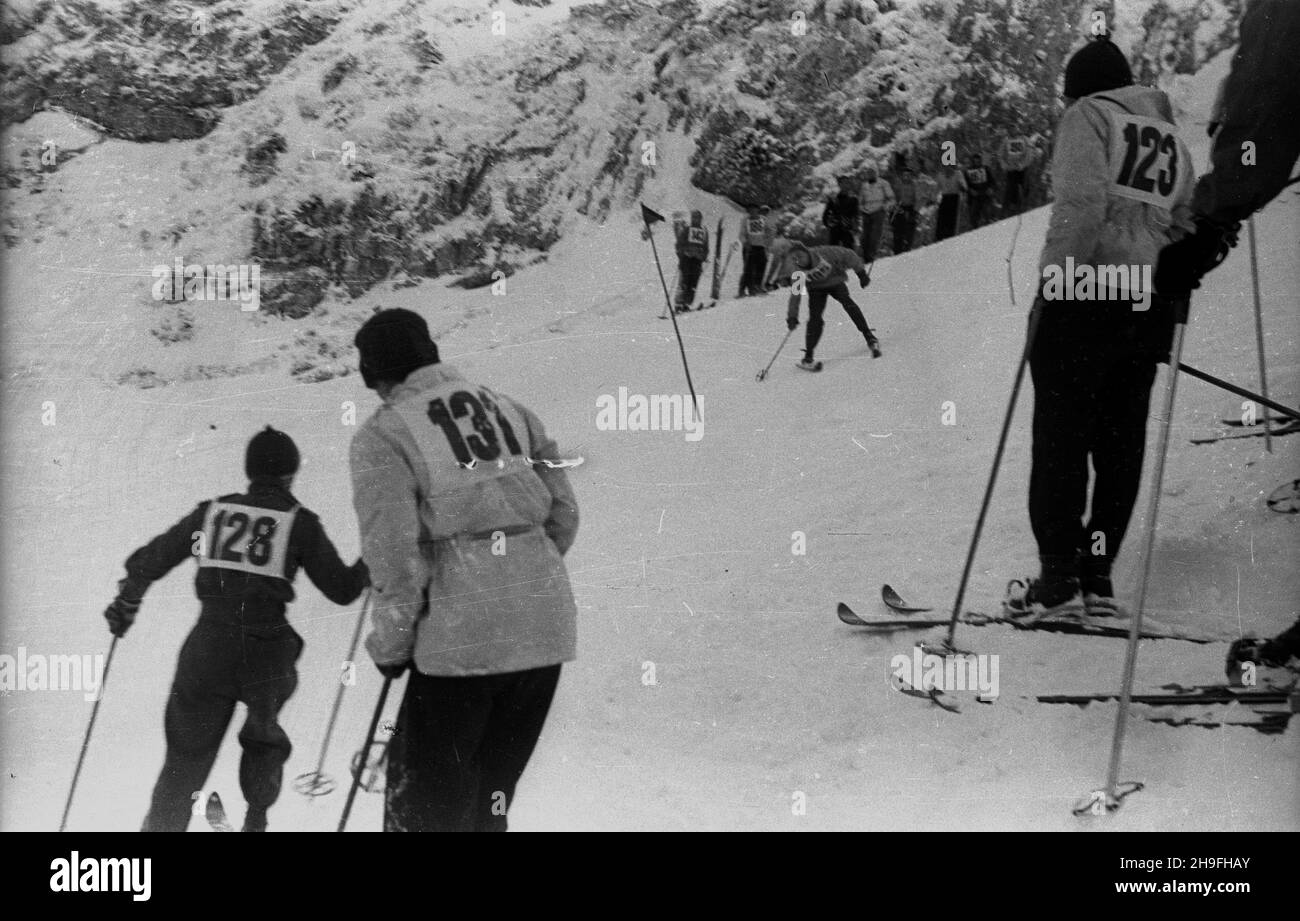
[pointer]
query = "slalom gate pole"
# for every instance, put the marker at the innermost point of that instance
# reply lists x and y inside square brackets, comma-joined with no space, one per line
[85,742]
[1239,391]
[365,751]
[1035,313]
[763,374]
[1259,335]
[1135,626]
[673,316]
[310,784]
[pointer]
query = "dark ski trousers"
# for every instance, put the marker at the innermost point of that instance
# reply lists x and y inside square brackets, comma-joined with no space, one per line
[1092,388]
[873,229]
[839,236]
[904,227]
[751,278]
[222,664]
[817,307]
[1014,192]
[460,747]
[980,203]
[946,221]
[688,269]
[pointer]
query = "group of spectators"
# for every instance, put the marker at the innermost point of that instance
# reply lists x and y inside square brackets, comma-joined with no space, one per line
[852,217]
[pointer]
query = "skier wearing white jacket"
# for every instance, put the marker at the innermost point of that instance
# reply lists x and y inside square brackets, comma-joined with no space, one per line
[1122,181]
[464,526]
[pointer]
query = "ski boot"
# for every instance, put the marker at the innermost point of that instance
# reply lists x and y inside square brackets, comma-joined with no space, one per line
[1053,594]
[255,819]
[874,344]
[1099,597]
[807,364]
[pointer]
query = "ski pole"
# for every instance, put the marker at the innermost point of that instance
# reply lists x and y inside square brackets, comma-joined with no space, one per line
[370,735]
[85,743]
[677,277]
[763,374]
[1239,391]
[671,313]
[1259,335]
[1034,314]
[1135,627]
[317,783]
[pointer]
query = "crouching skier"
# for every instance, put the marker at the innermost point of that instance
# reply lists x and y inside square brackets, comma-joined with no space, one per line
[249,547]
[466,514]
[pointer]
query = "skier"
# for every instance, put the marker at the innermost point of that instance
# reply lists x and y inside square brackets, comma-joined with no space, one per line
[840,216]
[824,268]
[1015,158]
[1093,364]
[979,191]
[692,253]
[465,523]
[1259,107]
[877,201]
[904,222]
[952,185]
[249,547]
[753,249]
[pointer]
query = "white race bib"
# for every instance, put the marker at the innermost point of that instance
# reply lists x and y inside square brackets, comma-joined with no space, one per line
[1148,161]
[247,538]
[466,435]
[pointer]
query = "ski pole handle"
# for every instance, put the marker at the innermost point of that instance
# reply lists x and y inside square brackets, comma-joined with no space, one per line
[370,735]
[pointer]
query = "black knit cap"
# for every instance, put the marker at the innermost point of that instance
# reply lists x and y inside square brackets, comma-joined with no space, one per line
[271,453]
[1096,67]
[393,343]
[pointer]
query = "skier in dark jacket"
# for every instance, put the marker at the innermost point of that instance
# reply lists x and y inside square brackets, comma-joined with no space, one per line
[1260,115]
[249,546]
[979,191]
[692,251]
[840,215]
[823,269]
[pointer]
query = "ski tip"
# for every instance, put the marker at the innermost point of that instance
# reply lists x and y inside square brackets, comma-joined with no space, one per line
[847,616]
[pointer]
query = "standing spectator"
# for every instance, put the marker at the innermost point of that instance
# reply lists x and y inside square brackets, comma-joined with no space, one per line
[904,222]
[952,185]
[776,253]
[753,251]
[465,519]
[1015,159]
[840,216]
[692,251]
[979,191]
[877,201]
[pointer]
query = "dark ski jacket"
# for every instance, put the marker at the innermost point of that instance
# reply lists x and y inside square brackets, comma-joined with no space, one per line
[1260,104]
[841,212]
[249,547]
[693,243]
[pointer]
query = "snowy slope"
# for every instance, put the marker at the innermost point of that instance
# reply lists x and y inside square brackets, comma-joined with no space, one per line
[684,558]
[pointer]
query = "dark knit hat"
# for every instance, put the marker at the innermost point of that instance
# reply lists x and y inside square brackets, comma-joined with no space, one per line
[271,453]
[1096,67]
[393,343]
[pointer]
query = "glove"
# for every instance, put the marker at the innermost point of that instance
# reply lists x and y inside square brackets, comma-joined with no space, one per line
[864,279]
[1182,264]
[791,323]
[121,613]
[394,671]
